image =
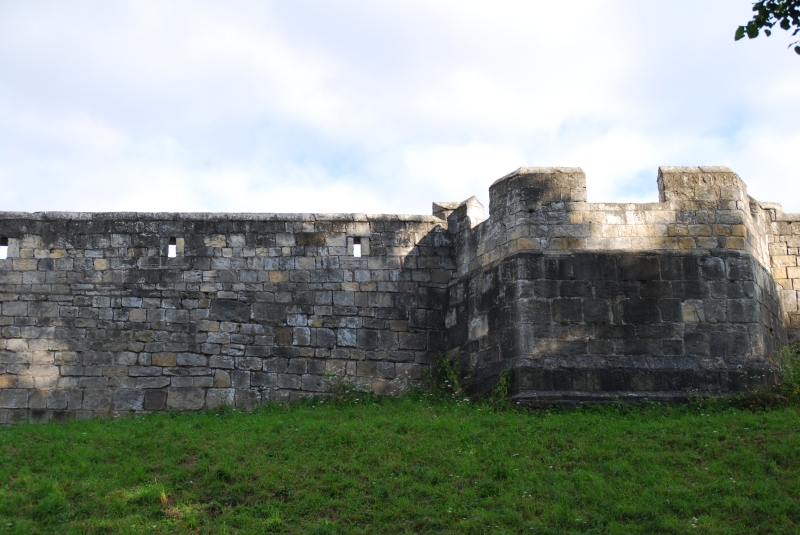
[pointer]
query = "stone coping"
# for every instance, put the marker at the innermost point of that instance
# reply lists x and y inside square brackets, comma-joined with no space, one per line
[213,216]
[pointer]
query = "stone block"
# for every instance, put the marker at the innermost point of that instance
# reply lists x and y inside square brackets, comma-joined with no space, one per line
[240,379]
[164,359]
[293,382]
[639,267]
[640,311]
[155,400]
[128,400]
[220,397]
[97,399]
[185,398]
[229,310]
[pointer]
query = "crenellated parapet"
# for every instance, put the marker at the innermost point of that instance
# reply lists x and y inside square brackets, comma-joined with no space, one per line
[590,300]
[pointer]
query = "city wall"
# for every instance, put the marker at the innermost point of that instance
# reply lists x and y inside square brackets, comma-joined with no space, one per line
[575,301]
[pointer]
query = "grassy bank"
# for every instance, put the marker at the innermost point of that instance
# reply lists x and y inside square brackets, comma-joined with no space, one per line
[408,466]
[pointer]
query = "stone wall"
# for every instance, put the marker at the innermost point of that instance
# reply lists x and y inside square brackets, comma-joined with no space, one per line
[784,247]
[578,301]
[97,319]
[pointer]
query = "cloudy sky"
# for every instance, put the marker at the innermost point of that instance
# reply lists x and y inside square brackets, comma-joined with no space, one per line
[381,106]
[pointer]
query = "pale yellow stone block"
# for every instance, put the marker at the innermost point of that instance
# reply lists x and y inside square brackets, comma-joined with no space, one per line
[58,253]
[138,315]
[645,230]
[615,218]
[31,242]
[635,217]
[41,253]
[526,244]
[164,359]
[278,276]
[215,240]
[664,243]
[722,230]
[735,243]
[686,243]
[792,272]
[286,251]
[100,264]
[227,252]
[558,243]
[24,264]
[368,286]
[350,286]
[706,243]
[25,253]
[222,379]
[700,230]
[626,230]
[262,251]
[739,230]
[574,218]
[597,218]
[624,244]
[784,261]
[660,216]
[786,284]
[8,381]
[779,273]
[610,231]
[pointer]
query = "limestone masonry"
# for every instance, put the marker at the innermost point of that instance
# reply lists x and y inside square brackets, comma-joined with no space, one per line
[581,301]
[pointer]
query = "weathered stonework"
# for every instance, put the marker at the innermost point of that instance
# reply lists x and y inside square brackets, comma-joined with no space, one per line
[582,302]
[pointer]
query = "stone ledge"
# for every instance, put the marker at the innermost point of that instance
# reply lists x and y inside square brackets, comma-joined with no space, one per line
[214,216]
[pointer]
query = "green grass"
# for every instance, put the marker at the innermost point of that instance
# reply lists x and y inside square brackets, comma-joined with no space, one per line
[365,465]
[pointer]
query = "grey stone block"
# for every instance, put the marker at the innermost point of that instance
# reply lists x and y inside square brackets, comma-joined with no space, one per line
[128,400]
[218,397]
[229,310]
[155,400]
[185,398]
[97,399]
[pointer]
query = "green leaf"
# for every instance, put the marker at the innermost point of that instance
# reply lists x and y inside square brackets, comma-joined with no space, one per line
[752,30]
[797,49]
[739,33]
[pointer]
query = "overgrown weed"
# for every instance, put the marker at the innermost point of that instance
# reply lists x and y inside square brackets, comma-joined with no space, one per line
[787,359]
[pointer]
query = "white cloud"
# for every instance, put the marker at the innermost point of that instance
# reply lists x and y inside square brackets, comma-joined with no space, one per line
[361,106]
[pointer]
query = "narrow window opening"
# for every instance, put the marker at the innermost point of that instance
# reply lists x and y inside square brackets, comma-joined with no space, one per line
[3,248]
[356,246]
[172,250]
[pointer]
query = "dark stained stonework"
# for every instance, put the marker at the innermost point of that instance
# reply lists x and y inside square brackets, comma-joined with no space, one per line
[580,302]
